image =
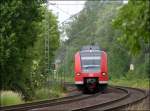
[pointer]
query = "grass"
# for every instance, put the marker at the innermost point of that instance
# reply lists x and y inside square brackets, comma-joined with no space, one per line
[143,106]
[53,91]
[10,98]
[131,80]
[41,94]
[137,83]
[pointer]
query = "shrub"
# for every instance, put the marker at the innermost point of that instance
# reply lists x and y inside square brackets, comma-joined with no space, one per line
[54,91]
[42,93]
[131,82]
[10,98]
[48,93]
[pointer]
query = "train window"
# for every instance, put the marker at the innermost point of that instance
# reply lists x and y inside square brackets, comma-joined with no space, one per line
[90,60]
[90,64]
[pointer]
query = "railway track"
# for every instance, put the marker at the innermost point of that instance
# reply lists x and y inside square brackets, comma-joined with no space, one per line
[114,98]
[38,104]
[134,95]
[73,93]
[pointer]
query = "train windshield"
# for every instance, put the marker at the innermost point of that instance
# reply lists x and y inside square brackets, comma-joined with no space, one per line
[90,63]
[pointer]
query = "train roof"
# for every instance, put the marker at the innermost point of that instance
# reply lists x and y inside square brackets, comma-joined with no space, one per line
[90,47]
[90,51]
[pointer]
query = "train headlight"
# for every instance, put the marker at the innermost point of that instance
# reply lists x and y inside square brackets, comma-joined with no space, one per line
[78,74]
[103,73]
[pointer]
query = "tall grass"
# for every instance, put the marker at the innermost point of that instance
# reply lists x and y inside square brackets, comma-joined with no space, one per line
[52,91]
[131,79]
[10,98]
[142,83]
[143,106]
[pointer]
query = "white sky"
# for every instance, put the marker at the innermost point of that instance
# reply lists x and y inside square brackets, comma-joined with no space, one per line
[125,1]
[65,9]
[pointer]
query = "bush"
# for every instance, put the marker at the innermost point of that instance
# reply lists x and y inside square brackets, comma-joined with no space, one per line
[10,98]
[54,91]
[131,81]
[42,94]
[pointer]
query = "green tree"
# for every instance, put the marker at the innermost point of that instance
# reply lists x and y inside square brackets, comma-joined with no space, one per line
[22,44]
[133,21]
[18,33]
[49,27]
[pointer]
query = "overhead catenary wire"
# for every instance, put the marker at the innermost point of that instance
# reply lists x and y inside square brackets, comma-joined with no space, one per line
[60,9]
[54,3]
[65,4]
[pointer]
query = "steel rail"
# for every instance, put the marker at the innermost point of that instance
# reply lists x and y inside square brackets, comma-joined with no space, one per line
[105,103]
[144,96]
[25,106]
[110,105]
[51,108]
[29,105]
[39,104]
[68,101]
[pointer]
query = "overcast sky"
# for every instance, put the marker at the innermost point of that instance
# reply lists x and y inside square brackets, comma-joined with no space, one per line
[65,9]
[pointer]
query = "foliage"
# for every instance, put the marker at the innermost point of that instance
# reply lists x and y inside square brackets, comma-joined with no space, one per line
[131,80]
[133,21]
[38,75]
[93,26]
[22,36]
[41,94]
[55,91]
[18,32]
[10,98]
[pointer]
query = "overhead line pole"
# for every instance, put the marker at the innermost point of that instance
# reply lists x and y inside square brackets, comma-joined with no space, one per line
[47,64]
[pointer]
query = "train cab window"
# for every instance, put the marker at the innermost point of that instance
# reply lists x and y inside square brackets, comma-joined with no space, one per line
[90,63]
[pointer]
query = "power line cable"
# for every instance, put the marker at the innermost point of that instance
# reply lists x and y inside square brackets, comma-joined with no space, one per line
[61,9]
[70,4]
[70,18]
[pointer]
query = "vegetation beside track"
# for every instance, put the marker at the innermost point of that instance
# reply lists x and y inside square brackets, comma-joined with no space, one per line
[10,98]
[56,90]
[22,60]
[132,82]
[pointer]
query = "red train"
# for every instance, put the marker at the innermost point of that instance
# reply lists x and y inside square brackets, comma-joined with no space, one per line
[91,73]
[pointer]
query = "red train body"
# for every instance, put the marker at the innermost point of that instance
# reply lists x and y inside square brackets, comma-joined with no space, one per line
[90,68]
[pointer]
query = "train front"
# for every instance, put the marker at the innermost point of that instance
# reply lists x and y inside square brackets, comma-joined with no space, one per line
[91,69]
